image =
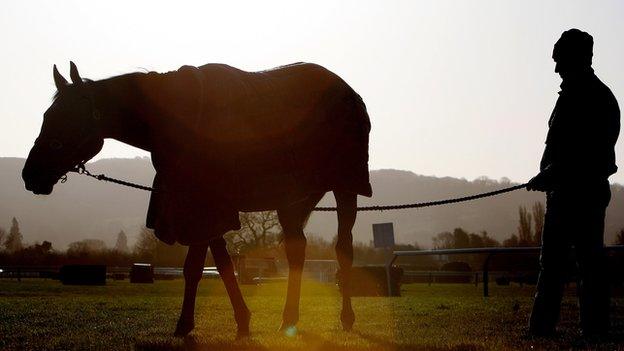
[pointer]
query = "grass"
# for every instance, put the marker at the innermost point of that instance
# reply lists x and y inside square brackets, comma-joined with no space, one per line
[43,315]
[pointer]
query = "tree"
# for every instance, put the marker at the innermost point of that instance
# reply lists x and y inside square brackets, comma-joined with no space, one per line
[2,235]
[538,222]
[511,242]
[525,232]
[461,238]
[13,241]
[44,247]
[259,230]
[487,241]
[150,249]
[122,242]
[36,254]
[476,240]
[86,246]
[145,247]
[40,250]
[444,240]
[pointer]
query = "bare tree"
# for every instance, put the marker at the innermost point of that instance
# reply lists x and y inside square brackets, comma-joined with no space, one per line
[525,232]
[512,241]
[461,238]
[149,249]
[538,222]
[145,247]
[444,240]
[258,230]
[2,235]
[488,241]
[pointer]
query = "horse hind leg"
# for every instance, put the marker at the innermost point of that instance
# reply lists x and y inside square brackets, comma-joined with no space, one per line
[193,269]
[293,219]
[346,204]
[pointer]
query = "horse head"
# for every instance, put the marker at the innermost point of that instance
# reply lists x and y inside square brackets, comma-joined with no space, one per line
[70,134]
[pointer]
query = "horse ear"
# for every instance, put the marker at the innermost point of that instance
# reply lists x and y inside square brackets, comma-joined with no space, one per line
[59,80]
[73,73]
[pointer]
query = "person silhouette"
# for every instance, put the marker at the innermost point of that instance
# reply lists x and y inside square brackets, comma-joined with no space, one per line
[578,159]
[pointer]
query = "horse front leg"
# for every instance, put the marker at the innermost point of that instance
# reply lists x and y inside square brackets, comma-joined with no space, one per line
[193,269]
[226,271]
[347,211]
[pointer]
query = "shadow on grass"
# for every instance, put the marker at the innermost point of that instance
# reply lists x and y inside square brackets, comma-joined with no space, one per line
[569,336]
[388,345]
[307,341]
[311,342]
[569,341]
[191,343]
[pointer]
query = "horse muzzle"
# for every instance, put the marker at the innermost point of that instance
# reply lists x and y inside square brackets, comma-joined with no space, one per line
[40,189]
[40,183]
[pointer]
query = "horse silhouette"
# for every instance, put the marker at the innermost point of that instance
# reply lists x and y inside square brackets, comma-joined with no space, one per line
[222,140]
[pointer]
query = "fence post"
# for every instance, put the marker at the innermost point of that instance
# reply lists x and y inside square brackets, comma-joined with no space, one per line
[389,274]
[486,275]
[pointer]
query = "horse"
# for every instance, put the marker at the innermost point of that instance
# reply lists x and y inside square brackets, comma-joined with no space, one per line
[222,141]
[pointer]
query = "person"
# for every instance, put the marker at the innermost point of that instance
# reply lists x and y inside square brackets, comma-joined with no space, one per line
[578,159]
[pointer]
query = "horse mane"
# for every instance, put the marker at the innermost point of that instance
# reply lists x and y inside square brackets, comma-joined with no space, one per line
[98,84]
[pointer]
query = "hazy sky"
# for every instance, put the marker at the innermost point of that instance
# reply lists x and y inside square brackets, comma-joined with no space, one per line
[453,88]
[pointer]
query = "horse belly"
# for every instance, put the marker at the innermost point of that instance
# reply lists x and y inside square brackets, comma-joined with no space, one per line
[279,176]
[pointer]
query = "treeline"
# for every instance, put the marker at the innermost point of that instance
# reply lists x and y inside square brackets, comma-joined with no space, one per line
[260,236]
[14,252]
[529,233]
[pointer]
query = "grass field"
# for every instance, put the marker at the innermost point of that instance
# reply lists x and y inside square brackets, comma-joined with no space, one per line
[43,314]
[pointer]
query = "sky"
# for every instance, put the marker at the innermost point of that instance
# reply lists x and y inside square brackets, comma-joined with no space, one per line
[453,88]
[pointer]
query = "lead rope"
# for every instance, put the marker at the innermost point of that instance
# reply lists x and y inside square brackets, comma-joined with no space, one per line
[80,169]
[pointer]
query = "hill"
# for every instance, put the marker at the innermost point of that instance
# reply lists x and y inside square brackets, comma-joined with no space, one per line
[85,208]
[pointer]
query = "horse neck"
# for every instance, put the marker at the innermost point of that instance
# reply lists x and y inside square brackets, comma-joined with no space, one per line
[125,113]
[147,110]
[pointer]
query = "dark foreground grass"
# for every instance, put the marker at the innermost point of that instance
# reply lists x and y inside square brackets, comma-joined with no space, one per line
[43,315]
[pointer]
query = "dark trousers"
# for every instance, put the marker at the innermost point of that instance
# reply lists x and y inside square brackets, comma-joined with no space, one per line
[574,220]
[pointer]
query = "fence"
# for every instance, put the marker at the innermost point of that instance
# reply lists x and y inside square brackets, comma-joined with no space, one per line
[490,251]
[52,272]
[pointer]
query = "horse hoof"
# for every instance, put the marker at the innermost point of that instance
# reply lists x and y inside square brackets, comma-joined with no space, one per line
[289,330]
[347,319]
[242,334]
[183,329]
[242,322]
[285,326]
[289,323]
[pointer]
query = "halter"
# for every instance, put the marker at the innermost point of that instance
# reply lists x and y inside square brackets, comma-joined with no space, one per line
[96,115]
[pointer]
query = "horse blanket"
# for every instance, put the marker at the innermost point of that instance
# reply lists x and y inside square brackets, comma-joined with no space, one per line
[228,140]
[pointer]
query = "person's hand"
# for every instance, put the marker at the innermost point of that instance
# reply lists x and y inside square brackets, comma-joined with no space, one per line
[538,183]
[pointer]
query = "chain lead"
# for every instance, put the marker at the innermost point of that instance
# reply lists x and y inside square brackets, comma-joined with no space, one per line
[81,169]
